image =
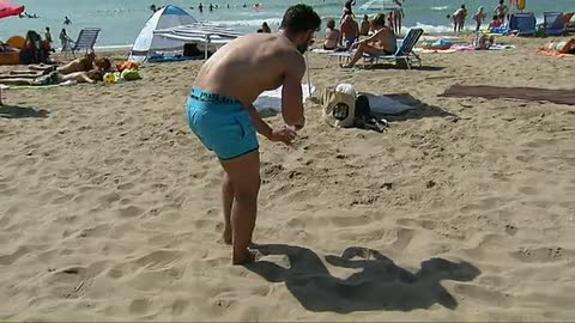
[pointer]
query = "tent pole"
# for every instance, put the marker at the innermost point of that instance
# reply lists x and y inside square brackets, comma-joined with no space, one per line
[308,75]
[206,47]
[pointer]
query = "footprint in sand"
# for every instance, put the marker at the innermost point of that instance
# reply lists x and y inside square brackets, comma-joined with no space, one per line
[541,255]
[130,211]
[139,306]
[160,259]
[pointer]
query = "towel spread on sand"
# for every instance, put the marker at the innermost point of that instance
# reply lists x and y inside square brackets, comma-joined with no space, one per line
[461,48]
[381,104]
[522,93]
[272,100]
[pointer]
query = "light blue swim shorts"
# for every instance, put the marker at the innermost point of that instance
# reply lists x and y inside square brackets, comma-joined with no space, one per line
[222,124]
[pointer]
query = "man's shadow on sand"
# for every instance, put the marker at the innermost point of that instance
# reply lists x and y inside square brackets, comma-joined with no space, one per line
[380,285]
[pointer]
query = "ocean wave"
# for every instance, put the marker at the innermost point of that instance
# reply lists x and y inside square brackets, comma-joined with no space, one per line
[437,29]
[442,8]
[249,22]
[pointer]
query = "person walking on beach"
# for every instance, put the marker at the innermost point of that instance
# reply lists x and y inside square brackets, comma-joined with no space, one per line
[501,11]
[479,18]
[221,114]
[65,40]
[398,16]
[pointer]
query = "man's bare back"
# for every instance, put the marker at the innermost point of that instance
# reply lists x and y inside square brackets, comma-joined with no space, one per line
[249,65]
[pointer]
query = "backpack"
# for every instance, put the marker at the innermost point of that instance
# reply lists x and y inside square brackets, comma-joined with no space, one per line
[338,108]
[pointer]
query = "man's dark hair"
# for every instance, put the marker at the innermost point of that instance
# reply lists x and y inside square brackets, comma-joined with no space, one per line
[300,18]
[379,20]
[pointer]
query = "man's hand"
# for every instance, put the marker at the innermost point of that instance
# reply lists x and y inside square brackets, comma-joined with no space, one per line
[285,135]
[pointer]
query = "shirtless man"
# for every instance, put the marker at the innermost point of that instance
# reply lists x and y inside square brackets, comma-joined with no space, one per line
[383,41]
[349,31]
[221,113]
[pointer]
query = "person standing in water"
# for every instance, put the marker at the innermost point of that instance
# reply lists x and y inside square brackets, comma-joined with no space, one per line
[398,16]
[201,8]
[459,18]
[479,18]
[221,113]
[67,21]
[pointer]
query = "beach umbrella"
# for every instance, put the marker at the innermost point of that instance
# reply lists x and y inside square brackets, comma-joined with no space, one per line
[8,9]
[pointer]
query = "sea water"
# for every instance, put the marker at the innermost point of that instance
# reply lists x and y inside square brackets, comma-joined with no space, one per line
[121,20]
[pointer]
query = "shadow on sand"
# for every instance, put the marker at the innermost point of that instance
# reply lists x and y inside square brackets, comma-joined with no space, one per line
[378,284]
[16,112]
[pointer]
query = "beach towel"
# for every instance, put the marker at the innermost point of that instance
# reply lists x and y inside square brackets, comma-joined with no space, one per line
[521,93]
[381,104]
[272,100]
[462,48]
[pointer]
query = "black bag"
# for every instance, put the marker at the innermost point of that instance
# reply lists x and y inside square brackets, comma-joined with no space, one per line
[364,119]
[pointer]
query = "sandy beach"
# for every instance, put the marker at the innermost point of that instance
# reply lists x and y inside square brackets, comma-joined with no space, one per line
[463,210]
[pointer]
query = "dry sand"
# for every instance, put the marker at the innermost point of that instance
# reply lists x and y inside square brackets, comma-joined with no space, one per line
[462,210]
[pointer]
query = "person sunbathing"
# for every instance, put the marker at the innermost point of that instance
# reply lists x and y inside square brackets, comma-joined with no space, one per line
[383,41]
[102,66]
[82,64]
[332,36]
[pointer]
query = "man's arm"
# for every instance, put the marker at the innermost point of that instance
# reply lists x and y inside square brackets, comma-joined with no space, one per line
[292,97]
[261,126]
[284,135]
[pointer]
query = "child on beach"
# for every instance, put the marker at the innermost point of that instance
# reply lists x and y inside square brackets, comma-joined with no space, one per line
[495,23]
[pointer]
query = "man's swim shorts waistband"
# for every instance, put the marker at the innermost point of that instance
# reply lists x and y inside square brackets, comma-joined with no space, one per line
[209,97]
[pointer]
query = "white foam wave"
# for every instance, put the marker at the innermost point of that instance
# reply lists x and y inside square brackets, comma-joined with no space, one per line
[250,22]
[442,8]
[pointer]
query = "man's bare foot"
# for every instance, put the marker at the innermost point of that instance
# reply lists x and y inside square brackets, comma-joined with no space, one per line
[244,258]
[227,236]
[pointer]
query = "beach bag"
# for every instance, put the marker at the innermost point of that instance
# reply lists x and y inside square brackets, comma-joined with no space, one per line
[364,118]
[339,106]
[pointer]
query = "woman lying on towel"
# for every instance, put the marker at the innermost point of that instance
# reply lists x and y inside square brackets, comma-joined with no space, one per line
[54,77]
[382,42]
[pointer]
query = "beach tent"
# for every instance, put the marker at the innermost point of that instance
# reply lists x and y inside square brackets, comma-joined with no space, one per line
[148,42]
[524,24]
[205,34]
[8,9]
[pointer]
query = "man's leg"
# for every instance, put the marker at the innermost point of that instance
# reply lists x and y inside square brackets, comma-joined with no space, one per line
[361,49]
[228,202]
[244,174]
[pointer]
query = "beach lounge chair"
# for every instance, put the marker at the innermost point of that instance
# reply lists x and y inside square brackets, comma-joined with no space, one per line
[553,24]
[86,40]
[523,24]
[403,55]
